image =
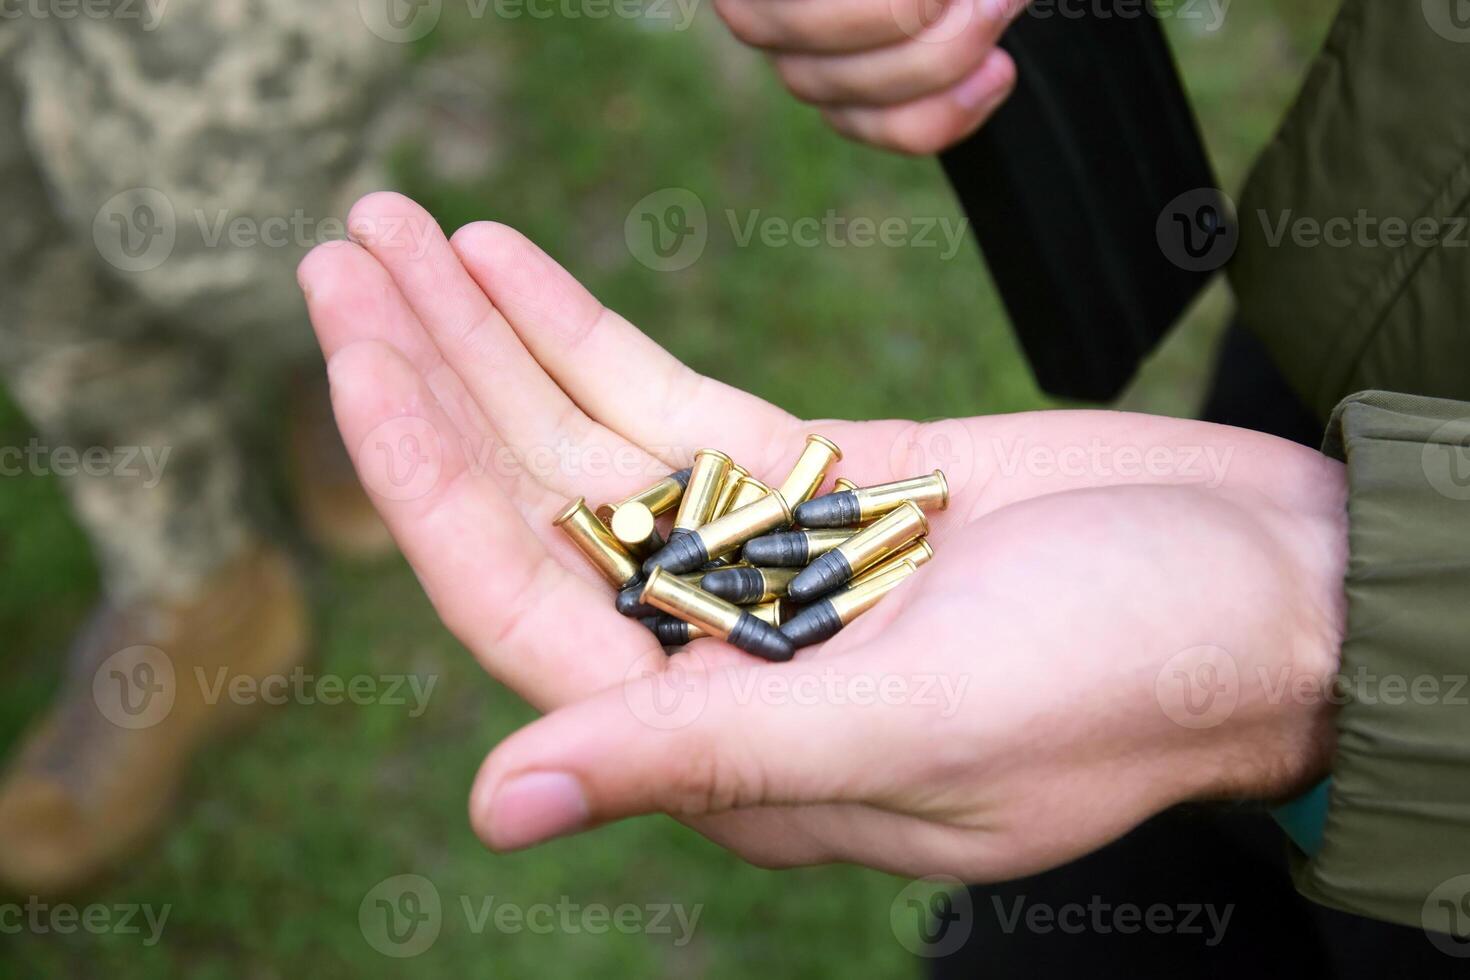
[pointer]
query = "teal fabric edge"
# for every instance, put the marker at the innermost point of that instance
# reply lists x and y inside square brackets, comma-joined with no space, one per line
[1305,818]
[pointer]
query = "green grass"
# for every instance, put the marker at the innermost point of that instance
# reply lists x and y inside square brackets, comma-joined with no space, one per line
[284,832]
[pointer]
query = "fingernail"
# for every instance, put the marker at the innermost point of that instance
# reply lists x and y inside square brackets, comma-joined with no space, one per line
[978,90]
[533,808]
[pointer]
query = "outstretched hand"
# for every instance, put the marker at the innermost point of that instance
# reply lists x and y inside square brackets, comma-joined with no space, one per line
[1115,609]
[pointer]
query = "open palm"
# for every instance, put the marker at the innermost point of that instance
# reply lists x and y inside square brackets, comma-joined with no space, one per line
[1020,720]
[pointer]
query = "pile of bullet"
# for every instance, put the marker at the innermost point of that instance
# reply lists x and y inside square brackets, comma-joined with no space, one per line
[767,570]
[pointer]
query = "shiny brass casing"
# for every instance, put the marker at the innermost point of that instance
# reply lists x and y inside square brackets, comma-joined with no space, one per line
[919,552]
[595,541]
[774,581]
[769,612]
[693,605]
[748,492]
[706,479]
[728,489]
[636,528]
[843,483]
[810,469]
[820,540]
[660,498]
[884,537]
[859,597]
[727,533]
[929,492]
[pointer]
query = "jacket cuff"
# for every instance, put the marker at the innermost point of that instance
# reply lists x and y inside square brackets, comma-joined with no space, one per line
[1396,842]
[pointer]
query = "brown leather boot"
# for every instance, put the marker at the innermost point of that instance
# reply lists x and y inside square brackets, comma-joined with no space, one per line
[147,685]
[334,509]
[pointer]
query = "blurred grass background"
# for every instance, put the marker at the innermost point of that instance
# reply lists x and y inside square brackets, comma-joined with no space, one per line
[558,126]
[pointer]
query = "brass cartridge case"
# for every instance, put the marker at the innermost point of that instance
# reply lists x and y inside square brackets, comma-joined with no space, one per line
[919,552]
[859,597]
[706,479]
[869,546]
[843,483]
[825,617]
[810,470]
[728,489]
[747,584]
[595,541]
[884,537]
[715,616]
[929,492]
[660,498]
[690,603]
[636,529]
[739,526]
[748,492]
[766,612]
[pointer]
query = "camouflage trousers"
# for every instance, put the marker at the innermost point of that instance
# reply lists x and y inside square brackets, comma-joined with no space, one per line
[164,165]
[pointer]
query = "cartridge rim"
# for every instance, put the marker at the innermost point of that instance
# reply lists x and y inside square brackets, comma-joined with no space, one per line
[715,453]
[653,576]
[943,488]
[571,509]
[646,522]
[836,453]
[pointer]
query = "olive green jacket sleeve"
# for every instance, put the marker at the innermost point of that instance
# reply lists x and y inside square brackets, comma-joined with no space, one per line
[1352,267]
[1396,843]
